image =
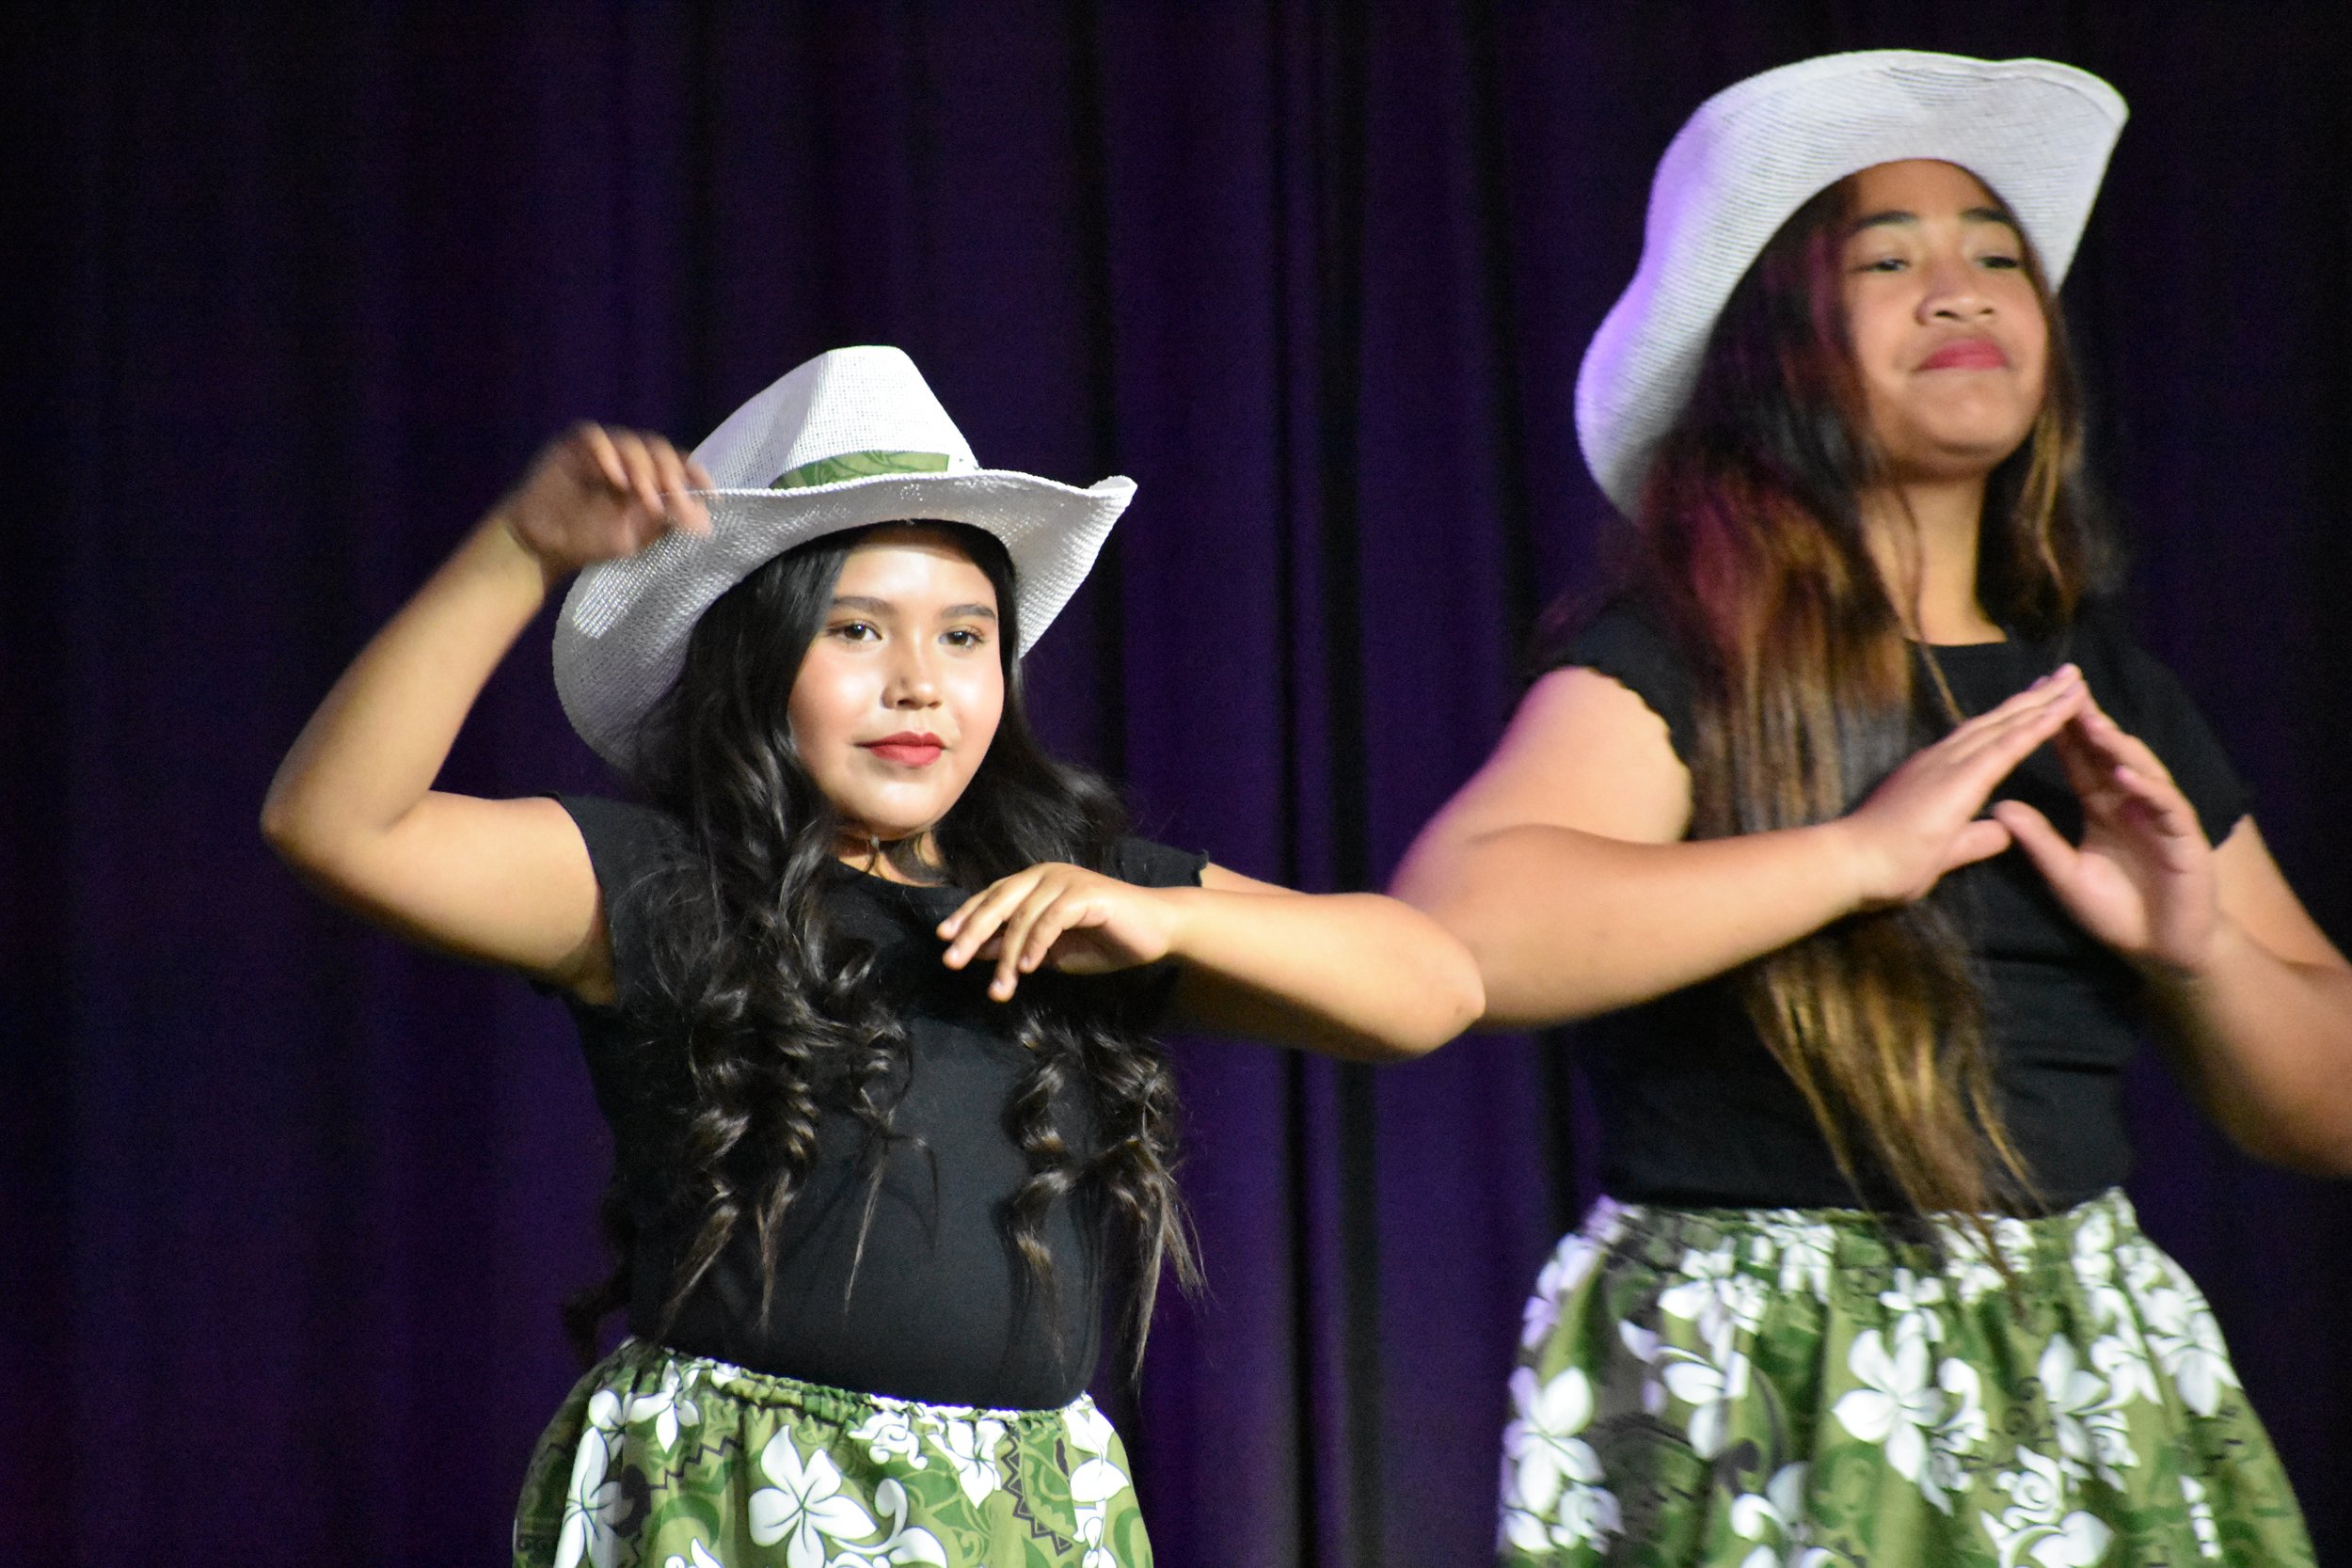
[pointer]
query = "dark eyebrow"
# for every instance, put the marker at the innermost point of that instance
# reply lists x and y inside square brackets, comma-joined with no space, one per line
[883,607]
[1971,214]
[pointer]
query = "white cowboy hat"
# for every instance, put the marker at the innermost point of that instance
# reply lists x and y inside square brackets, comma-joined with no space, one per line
[852,438]
[2036,132]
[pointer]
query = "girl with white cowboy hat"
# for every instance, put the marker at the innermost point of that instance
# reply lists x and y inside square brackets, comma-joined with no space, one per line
[866,983]
[1877,837]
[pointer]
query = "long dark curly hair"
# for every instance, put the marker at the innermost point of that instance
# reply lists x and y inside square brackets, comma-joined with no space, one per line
[785,1018]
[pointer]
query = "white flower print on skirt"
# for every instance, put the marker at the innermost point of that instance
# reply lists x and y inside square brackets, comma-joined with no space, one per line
[1814,1389]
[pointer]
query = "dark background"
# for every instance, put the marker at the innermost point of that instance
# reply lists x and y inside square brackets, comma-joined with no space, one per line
[295,291]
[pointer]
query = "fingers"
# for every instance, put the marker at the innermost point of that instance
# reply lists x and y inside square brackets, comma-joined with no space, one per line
[982,915]
[2043,844]
[1015,933]
[685,509]
[1926,819]
[645,472]
[2159,801]
[2115,773]
[1015,922]
[2014,729]
[599,493]
[1030,935]
[650,477]
[2120,745]
[2087,765]
[1980,840]
[603,455]
[1976,757]
[1011,938]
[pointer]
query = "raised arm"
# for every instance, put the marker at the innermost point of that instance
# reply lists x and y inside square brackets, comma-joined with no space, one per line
[352,808]
[2255,998]
[1351,975]
[1561,865]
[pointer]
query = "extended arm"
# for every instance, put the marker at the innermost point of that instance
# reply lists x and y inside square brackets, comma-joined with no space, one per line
[1351,975]
[2252,993]
[1561,865]
[353,807]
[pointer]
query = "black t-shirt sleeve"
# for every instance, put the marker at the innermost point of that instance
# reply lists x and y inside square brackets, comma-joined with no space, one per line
[1628,645]
[1146,994]
[633,848]
[1148,864]
[2148,699]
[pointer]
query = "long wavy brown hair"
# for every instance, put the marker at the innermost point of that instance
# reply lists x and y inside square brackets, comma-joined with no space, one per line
[1809,693]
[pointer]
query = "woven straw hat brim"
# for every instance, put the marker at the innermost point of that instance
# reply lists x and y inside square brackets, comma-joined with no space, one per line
[2036,132]
[620,642]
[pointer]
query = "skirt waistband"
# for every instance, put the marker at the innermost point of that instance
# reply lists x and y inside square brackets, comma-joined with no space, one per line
[641,1359]
[1864,1238]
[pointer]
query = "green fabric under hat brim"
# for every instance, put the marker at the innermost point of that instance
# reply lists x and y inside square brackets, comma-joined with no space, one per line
[620,641]
[859,464]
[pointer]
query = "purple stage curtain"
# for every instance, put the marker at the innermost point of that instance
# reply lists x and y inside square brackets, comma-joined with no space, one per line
[297,288]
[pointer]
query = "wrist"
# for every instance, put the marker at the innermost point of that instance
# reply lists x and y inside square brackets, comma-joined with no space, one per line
[2184,975]
[1847,867]
[1179,926]
[502,544]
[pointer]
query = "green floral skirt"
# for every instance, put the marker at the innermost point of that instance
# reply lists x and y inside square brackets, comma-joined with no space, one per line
[1806,1388]
[671,1461]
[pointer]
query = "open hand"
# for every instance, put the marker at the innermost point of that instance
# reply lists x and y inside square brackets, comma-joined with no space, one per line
[2142,880]
[1925,821]
[1077,921]
[598,493]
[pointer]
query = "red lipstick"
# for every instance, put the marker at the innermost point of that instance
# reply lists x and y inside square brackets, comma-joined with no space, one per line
[908,748]
[1967,354]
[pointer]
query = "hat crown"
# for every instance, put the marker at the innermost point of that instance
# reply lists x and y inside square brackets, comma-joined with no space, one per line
[846,403]
[1781,129]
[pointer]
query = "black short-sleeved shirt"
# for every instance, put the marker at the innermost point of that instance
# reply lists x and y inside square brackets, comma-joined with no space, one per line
[935,1310]
[1694,1110]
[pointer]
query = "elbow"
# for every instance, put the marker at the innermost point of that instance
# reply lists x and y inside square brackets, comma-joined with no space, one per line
[1462,1002]
[310,846]
[282,826]
[2311,1136]
[2289,1107]
[284,830]
[1445,1025]
[1524,992]
[1507,988]
[1508,1013]
[2331,1163]
[2325,1152]
[1454,999]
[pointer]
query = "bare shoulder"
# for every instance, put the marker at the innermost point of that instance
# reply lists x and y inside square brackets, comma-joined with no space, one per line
[1583,751]
[506,883]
